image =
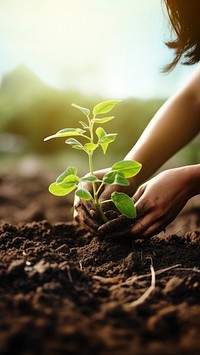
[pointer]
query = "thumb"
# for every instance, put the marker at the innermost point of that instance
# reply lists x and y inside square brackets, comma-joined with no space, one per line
[139,193]
[106,193]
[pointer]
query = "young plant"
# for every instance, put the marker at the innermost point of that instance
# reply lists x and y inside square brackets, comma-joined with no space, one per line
[93,139]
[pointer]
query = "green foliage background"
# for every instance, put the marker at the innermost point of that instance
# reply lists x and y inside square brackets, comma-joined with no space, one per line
[30,111]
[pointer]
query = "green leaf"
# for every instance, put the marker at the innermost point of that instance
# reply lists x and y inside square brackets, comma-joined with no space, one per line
[90,178]
[124,204]
[128,167]
[73,141]
[103,120]
[85,110]
[83,193]
[70,179]
[104,138]
[60,190]
[115,178]
[104,147]
[90,147]
[104,107]
[100,132]
[71,170]
[108,138]
[66,132]
[120,180]
[109,177]
[84,125]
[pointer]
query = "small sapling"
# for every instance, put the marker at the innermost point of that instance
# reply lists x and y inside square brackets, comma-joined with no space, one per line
[95,138]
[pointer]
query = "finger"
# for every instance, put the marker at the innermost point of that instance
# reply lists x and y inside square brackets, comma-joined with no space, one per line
[142,208]
[115,225]
[149,225]
[123,234]
[141,225]
[138,193]
[88,206]
[158,226]
[153,230]
[141,233]
[76,203]
[85,219]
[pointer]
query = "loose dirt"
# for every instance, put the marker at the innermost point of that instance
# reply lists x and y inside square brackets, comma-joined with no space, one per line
[65,291]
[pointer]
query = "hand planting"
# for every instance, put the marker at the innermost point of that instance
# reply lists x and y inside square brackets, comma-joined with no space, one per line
[95,138]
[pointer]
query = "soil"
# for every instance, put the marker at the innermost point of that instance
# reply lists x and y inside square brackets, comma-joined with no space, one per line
[65,291]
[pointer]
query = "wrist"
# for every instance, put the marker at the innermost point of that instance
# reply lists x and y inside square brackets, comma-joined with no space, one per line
[192,176]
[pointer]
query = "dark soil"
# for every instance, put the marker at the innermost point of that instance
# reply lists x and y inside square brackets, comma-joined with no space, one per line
[64,291]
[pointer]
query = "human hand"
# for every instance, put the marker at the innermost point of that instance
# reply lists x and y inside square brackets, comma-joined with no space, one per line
[86,213]
[158,202]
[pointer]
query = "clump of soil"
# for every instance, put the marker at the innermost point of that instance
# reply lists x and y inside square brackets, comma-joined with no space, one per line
[65,291]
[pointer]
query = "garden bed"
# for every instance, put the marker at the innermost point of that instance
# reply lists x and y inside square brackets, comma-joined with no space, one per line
[64,291]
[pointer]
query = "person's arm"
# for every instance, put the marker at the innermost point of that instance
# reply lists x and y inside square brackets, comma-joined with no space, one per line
[172,127]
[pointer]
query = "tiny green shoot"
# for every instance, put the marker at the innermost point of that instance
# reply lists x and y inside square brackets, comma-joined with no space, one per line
[94,138]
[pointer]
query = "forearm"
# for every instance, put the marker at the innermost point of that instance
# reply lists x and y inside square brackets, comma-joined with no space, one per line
[173,126]
[192,175]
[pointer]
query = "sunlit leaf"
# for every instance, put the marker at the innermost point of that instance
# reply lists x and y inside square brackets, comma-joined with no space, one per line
[109,177]
[104,107]
[84,125]
[83,193]
[124,204]
[115,178]
[104,138]
[78,147]
[89,178]
[128,167]
[71,170]
[103,120]
[73,141]
[66,132]
[85,110]
[120,180]
[60,190]
[104,147]
[70,179]
[90,147]
[108,138]
[100,132]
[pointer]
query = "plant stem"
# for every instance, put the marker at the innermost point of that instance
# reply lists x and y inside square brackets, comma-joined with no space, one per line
[103,216]
[91,173]
[95,191]
[106,201]
[90,155]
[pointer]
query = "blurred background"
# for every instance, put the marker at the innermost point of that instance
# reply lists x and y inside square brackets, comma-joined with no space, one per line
[56,52]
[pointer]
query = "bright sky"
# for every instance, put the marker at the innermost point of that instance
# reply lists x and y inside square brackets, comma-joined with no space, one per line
[112,48]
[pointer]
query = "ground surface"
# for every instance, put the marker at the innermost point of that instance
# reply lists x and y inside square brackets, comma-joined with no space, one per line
[63,291]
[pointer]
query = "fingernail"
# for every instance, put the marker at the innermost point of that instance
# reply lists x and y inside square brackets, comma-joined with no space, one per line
[92,213]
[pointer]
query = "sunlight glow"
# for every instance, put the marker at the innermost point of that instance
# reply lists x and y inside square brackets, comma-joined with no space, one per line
[111,48]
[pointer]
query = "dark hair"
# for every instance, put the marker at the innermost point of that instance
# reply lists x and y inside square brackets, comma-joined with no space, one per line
[184,16]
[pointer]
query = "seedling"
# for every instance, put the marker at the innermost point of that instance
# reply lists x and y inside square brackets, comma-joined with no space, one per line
[119,174]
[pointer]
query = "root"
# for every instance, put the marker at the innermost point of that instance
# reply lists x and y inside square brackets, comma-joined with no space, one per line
[106,280]
[129,306]
[131,280]
[69,274]
[142,299]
